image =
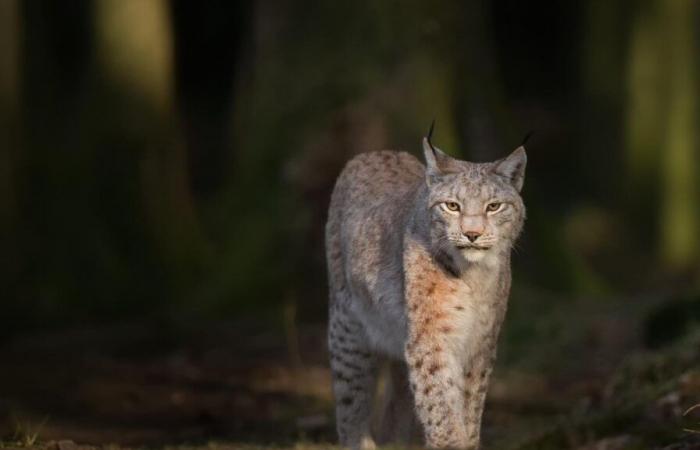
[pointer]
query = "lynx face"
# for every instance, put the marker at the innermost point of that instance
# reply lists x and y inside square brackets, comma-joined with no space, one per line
[476,209]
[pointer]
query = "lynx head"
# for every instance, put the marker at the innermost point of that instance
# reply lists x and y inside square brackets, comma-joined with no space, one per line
[475,209]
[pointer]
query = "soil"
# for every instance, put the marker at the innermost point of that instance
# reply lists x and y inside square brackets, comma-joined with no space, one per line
[234,385]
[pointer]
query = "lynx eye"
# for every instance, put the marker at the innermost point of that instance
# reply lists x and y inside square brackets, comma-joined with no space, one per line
[451,206]
[493,206]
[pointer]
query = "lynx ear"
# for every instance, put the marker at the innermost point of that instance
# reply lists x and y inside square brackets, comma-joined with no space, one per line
[434,158]
[513,167]
[437,162]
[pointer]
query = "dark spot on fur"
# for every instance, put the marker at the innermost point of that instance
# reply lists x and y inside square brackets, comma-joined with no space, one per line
[340,377]
[364,355]
[419,334]
[434,368]
[459,308]
[427,390]
[431,289]
[346,401]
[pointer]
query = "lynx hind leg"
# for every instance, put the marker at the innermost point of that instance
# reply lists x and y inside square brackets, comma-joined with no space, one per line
[398,422]
[354,372]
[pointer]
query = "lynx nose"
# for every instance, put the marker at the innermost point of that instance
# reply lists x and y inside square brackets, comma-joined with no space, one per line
[472,235]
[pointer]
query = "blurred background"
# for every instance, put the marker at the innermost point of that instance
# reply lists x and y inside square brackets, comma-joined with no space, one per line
[165,169]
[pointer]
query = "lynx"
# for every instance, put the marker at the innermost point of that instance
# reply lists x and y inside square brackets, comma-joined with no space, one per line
[419,273]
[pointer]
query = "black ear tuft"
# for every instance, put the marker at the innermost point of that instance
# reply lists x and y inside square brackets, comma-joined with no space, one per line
[429,137]
[527,137]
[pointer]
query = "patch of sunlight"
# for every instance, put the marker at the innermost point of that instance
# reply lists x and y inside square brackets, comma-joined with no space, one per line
[135,47]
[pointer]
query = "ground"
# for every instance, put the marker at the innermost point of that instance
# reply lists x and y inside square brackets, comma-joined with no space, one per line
[239,386]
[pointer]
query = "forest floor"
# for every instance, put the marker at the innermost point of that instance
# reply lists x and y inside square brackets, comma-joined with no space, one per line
[235,386]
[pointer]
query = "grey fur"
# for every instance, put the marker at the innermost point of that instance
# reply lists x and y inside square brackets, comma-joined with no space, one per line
[408,285]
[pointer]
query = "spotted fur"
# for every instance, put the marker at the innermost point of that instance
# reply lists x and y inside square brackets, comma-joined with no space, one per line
[408,284]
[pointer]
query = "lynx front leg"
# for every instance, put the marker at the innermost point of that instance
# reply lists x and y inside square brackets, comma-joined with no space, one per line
[476,385]
[354,371]
[436,382]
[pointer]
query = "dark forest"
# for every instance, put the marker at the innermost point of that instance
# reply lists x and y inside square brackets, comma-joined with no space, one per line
[165,174]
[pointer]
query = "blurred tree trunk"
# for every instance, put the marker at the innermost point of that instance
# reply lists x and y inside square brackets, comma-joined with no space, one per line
[135,55]
[484,126]
[645,110]
[209,48]
[9,104]
[662,117]
[603,49]
[9,114]
[680,243]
